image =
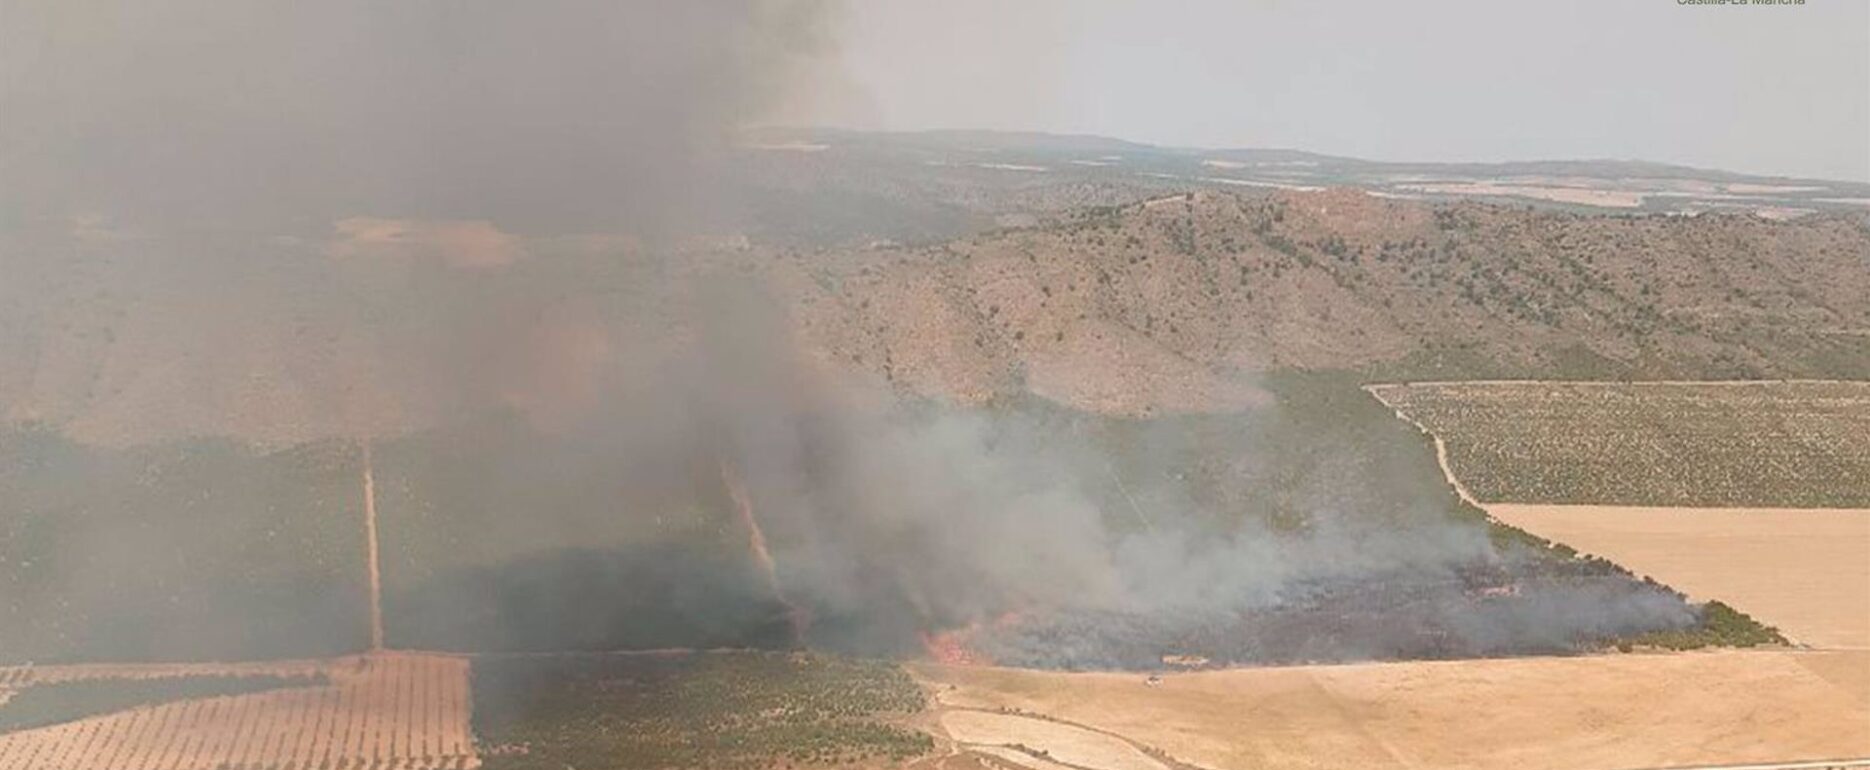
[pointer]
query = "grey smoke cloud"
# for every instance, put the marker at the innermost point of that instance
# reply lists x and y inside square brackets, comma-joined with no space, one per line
[250,186]
[889,518]
[549,115]
[337,200]
[284,221]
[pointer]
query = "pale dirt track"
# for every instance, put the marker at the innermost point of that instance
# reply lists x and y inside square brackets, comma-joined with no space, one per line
[1068,745]
[385,712]
[1610,711]
[1804,571]
[373,559]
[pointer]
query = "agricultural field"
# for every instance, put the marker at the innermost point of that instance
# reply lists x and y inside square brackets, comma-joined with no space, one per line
[1805,572]
[54,703]
[694,710]
[378,712]
[1043,743]
[220,551]
[1639,710]
[1713,444]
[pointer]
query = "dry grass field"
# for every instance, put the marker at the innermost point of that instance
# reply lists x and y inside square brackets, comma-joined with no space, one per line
[1710,444]
[1805,571]
[381,712]
[1573,462]
[1716,452]
[1610,711]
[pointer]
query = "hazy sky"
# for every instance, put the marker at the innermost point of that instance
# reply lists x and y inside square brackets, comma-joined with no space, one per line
[1777,89]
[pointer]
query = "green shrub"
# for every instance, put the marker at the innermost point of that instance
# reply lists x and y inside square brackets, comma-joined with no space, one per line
[712,710]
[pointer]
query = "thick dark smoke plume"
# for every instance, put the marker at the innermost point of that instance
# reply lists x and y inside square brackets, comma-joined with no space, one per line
[382,221]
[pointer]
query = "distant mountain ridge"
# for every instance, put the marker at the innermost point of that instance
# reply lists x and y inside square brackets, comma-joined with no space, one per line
[1042,143]
[1175,303]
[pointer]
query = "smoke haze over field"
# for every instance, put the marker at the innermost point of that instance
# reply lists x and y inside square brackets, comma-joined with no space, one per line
[343,198]
[283,222]
[375,221]
[1113,542]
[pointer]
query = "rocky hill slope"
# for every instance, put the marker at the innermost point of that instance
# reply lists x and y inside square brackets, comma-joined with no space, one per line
[1175,302]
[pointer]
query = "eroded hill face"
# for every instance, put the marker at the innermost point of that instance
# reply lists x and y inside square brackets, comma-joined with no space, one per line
[1170,304]
[120,337]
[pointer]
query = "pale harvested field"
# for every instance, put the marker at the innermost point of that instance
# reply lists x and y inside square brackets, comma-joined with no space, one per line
[1610,711]
[1588,197]
[384,712]
[1805,571]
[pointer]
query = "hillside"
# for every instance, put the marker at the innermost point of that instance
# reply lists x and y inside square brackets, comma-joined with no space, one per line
[1173,303]
[1168,304]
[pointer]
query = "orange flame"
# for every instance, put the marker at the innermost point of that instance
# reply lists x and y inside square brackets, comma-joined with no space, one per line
[952,647]
[955,646]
